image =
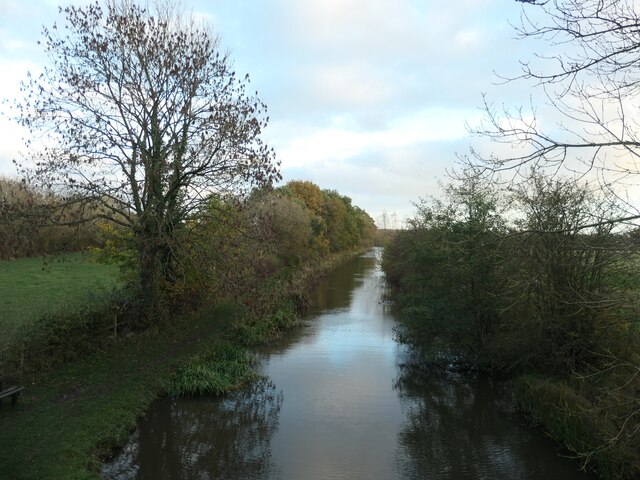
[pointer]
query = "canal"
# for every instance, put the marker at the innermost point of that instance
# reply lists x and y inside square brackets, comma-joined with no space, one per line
[341,399]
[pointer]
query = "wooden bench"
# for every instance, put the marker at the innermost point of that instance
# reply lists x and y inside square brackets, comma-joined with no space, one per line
[12,392]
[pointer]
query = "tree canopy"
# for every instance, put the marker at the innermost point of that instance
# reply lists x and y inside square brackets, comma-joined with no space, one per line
[142,118]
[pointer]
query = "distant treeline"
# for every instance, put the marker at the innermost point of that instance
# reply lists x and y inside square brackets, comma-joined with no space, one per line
[533,282]
[307,221]
[384,236]
[27,228]
[231,243]
[226,245]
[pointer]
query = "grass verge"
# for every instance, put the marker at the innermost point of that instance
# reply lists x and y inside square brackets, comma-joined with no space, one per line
[570,416]
[70,418]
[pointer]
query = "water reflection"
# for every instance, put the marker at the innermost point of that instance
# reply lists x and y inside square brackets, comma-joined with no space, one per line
[344,401]
[462,426]
[335,291]
[226,438]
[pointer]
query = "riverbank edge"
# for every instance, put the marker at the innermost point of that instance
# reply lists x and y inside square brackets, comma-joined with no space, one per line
[71,418]
[551,405]
[570,419]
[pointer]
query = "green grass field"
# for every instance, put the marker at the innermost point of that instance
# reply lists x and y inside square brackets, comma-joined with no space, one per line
[31,287]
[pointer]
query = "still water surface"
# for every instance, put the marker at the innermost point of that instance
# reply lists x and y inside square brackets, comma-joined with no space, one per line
[342,400]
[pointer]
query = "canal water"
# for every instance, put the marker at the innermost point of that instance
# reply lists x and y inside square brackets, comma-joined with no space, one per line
[341,399]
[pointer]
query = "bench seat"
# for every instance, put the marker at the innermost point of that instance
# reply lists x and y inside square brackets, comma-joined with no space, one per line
[12,392]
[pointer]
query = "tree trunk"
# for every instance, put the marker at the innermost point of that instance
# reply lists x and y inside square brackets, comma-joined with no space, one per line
[153,305]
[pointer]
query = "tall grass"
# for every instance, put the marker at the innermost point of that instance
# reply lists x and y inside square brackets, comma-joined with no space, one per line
[566,413]
[227,367]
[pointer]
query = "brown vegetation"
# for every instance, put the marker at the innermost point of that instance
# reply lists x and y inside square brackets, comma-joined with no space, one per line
[36,222]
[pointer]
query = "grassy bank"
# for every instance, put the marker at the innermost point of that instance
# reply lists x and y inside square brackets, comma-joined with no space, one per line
[31,288]
[580,416]
[71,417]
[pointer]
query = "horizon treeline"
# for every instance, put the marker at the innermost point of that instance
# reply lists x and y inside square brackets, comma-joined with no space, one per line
[255,253]
[299,220]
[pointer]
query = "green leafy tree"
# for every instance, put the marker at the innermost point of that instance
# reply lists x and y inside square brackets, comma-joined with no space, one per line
[558,290]
[446,268]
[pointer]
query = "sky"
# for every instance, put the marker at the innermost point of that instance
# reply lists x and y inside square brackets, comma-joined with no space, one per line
[371,98]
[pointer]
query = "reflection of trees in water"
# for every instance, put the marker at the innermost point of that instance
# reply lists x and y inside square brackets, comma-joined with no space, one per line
[334,291]
[458,427]
[225,438]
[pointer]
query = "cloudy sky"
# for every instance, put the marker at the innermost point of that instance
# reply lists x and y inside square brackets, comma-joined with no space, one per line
[367,97]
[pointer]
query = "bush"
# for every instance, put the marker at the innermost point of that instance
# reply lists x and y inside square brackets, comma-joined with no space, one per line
[546,289]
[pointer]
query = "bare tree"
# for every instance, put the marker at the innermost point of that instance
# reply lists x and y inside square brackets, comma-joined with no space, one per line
[591,80]
[143,116]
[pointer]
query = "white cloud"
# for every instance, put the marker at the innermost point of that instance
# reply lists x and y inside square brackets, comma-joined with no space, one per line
[11,144]
[12,45]
[342,140]
[12,134]
[383,30]
[371,25]
[369,97]
[468,39]
[349,85]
